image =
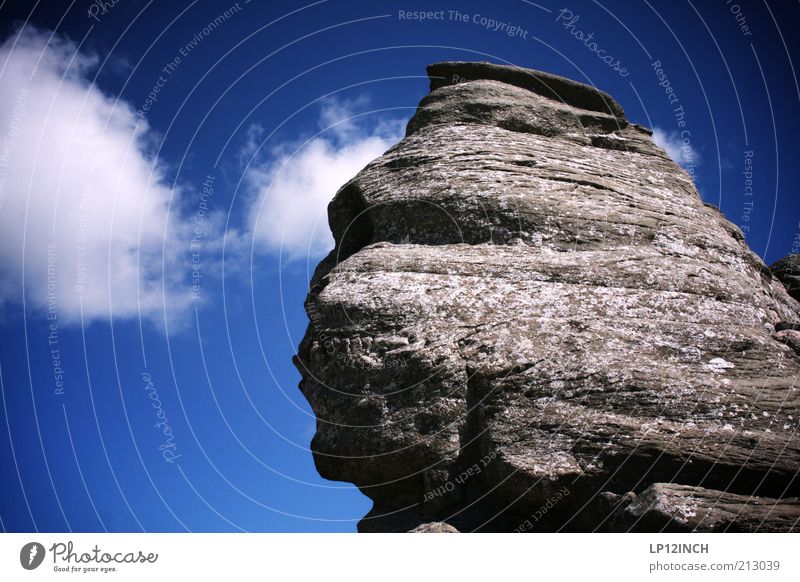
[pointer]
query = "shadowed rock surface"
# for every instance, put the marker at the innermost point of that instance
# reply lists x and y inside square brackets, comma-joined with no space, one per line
[530,316]
[682,508]
[788,271]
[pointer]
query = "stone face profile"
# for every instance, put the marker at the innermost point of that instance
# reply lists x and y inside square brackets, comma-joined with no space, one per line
[532,322]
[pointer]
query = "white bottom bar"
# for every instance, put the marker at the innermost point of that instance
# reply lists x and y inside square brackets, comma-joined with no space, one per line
[375,558]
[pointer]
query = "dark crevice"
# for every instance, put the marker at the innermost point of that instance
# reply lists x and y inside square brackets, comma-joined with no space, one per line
[580,182]
[648,468]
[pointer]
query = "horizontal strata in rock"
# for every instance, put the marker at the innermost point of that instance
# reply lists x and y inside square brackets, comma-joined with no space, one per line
[553,86]
[681,508]
[531,286]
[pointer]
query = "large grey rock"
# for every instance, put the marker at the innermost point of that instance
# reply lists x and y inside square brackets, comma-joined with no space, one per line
[531,317]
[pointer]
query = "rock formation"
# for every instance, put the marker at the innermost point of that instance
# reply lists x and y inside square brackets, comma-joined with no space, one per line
[531,322]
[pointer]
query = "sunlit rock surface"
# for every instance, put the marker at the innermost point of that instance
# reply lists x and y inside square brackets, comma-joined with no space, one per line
[531,322]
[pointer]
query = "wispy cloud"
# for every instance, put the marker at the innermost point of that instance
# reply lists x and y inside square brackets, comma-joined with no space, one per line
[293,185]
[679,150]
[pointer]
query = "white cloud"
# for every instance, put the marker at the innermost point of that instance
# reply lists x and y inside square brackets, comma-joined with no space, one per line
[85,214]
[83,207]
[287,213]
[679,150]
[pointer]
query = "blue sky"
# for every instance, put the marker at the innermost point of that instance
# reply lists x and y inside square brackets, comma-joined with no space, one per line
[163,178]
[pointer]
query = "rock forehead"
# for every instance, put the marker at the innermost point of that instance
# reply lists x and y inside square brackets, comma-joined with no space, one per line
[529,306]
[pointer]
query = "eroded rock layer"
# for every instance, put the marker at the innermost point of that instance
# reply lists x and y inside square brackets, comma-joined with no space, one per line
[531,322]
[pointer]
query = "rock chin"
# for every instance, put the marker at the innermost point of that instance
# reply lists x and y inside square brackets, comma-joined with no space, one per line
[531,322]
